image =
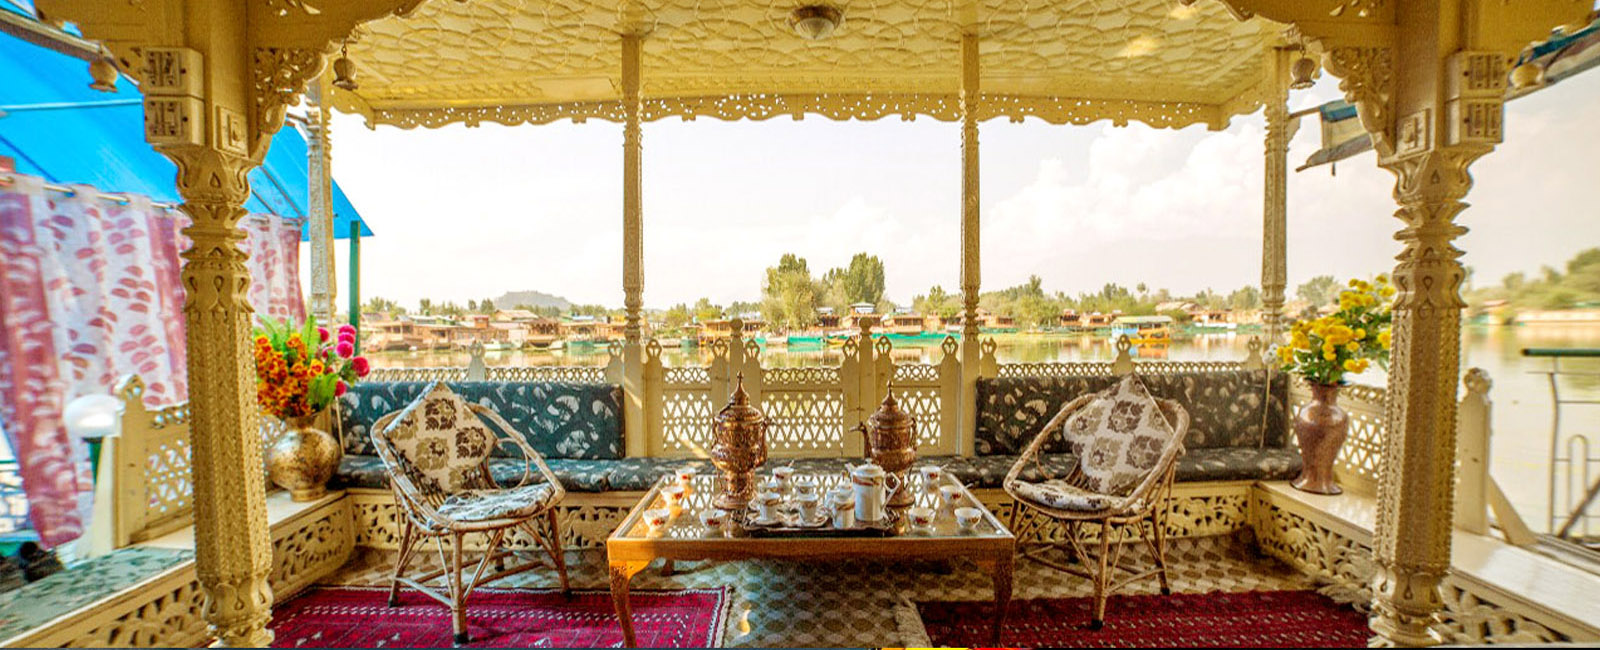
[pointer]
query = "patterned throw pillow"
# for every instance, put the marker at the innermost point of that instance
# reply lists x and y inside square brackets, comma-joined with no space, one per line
[439,436]
[1118,437]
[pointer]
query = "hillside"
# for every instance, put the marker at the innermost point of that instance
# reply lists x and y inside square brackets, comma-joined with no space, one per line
[535,298]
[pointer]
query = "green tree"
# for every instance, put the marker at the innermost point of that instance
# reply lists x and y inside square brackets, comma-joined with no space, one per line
[789,295]
[937,302]
[486,306]
[425,306]
[472,305]
[704,311]
[388,308]
[1246,297]
[1319,291]
[862,280]
[676,317]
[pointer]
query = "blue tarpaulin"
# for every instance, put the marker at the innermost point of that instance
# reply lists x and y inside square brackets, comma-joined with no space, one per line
[59,129]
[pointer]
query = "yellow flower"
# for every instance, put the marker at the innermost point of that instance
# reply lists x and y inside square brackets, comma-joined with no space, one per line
[1300,341]
[1361,334]
[1329,355]
[1354,283]
[1386,291]
[1383,339]
[1383,278]
[1285,355]
[1350,365]
[1353,347]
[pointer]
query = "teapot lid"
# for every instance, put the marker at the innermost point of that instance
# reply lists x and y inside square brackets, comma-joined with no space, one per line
[867,469]
[739,410]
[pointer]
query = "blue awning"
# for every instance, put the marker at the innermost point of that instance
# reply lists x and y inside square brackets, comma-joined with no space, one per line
[59,129]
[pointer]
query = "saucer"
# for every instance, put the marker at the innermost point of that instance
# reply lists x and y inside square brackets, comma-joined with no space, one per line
[821,519]
[758,521]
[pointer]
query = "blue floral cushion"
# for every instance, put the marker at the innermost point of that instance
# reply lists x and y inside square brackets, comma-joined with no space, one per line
[1231,408]
[557,419]
[367,471]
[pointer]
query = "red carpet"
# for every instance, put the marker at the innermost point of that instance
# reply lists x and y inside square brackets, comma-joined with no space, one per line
[357,617]
[1258,619]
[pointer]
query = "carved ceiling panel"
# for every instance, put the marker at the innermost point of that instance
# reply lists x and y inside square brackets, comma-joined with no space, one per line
[487,55]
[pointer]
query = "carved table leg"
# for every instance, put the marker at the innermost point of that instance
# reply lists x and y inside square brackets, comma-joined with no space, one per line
[621,574]
[1000,568]
[668,569]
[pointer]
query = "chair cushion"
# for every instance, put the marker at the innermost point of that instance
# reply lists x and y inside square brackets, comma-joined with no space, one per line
[440,437]
[1119,437]
[637,474]
[1061,495]
[1229,408]
[557,419]
[483,505]
[1231,464]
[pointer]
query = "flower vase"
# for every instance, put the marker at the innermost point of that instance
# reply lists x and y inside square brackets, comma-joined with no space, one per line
[303,459]
[1321,428]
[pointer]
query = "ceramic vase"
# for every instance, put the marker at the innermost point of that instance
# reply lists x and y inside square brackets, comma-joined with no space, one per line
[1321,428]
[303,459]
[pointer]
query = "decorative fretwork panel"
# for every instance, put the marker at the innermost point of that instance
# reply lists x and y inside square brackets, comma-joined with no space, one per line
[572,374]
[1104,368]
[686,412]
[804,419]
[1359,459]
[418,374]
[167,478]
[304,552]
[586,520]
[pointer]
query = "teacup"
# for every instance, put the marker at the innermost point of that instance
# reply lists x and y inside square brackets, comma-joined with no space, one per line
[931,475]
[950,495]
[844,510]
[673,494]
[806,485]
[656,518]
[685,476]
[807,503]
[713,518]
[767,505]
[774,486]
[921,517]
[966,518]
[782,474]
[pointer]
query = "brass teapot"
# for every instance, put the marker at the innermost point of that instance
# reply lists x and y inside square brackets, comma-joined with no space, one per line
[739,434]
[891,437]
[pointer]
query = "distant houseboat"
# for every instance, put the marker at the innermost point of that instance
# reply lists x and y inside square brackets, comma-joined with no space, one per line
[722,328]
[392,335]
[1143,330]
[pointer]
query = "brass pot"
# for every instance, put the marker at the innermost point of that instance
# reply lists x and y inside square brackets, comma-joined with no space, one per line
[891,436]
[739,434]
[1321,428]
[303,458]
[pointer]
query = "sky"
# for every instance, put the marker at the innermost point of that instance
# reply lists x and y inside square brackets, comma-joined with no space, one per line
[469,213]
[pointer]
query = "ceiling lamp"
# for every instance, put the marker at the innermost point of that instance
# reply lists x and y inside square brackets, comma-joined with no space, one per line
[103,75]
[1303,73]
[344,71]
[815,22]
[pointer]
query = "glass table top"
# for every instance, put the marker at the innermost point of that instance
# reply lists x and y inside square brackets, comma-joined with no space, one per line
[683,521]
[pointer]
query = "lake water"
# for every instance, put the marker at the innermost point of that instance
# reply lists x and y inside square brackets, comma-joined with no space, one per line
[1520,455]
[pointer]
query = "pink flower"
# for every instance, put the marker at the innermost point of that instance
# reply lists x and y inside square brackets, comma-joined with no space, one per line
[361,366]
[345,349]
[347,329]
[340,388]
[347,338]
[323,332]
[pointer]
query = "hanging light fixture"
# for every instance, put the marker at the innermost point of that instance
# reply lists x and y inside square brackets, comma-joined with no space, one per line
[103,75]
[1303,72]
[344,71]
[815,22]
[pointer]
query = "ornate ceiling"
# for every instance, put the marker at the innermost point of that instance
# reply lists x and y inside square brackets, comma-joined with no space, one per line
[1072,61]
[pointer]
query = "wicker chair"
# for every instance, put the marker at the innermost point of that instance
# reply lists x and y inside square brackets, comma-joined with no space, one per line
[1145,504]
[430,511]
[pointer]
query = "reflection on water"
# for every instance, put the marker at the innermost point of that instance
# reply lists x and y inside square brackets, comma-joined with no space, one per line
[1521,395]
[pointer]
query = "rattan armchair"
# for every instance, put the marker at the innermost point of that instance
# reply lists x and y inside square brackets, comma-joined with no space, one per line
[484,506]
[1076,508]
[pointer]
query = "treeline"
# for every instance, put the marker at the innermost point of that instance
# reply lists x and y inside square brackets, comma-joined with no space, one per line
[1551,288]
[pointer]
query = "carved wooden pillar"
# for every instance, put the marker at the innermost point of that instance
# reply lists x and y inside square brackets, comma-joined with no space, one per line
[632,246]
[319,172]
[233,550]
[969,239]
[1274,226]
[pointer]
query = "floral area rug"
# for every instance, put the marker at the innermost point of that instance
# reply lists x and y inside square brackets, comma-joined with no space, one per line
[359,617]
[1250,619]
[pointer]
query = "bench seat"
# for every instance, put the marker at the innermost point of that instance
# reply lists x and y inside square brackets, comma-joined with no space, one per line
[637,474]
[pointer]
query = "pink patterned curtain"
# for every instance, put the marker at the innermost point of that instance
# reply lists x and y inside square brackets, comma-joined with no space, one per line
[90,291]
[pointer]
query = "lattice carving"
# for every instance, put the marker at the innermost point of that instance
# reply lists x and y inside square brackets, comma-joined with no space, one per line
[1473,617]
[418,374]
[687,375]
[574,374]
[1104,369]
[916,372]
[806,420]
[306,552]
[167,478]
[169,620]
[583,524]
[686,420]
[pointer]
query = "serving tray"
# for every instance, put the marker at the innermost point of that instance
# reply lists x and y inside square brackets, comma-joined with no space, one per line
[788,526]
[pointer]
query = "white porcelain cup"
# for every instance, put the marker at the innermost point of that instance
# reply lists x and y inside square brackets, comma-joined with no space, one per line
[805,485]
[685,476]
[673,495]
[921,518]
[774,486]
[782,473]
[951,496]
[966,518]
[713,518]
[931,475]
[656,518]
[767,505]
[844,510]
[807,503]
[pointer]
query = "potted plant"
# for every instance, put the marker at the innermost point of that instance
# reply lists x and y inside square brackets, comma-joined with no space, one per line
[1324,350]
[300,371]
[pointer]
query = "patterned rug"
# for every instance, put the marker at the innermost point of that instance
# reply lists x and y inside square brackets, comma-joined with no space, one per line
[358,617]
[1283,619]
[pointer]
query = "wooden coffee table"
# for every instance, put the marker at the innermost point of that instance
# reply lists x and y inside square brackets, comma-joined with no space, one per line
[633,546]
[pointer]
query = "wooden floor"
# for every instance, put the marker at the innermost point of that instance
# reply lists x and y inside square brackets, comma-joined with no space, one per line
[866,604]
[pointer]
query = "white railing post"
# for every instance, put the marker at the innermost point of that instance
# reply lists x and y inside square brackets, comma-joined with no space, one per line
[1472,452]
[755,377]
[950,397]
[476,369]
[1123,365]
[721,374]
[654,404]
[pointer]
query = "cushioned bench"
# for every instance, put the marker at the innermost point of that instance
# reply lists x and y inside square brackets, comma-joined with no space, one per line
[1238,428]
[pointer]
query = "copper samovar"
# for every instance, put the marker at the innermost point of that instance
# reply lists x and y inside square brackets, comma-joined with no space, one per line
[891,436]
[739,446]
